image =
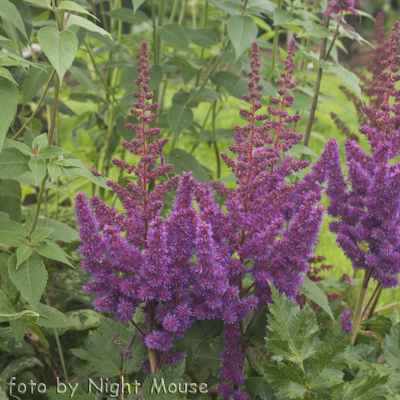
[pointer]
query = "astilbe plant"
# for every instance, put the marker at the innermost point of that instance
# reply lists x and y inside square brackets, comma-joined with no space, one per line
[136,257]
[270,226]
[367,205]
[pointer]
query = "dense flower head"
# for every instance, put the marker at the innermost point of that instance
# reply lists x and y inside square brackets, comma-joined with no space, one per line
[346,321]
[367,205]
[337,6]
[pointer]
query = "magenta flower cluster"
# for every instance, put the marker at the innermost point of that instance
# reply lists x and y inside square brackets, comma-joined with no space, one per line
[367,205]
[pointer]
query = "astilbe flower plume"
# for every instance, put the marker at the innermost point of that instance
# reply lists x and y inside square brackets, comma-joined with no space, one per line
[367,205]
[268,222]
[137,257]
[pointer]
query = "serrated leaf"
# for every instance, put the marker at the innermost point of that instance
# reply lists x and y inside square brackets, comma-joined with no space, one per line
[346,76]
[51,152]
[11,238]
[391,350]
[60,231]
[8,313]
[81,320]
[183,161]
[22,147]
[202,37]
[174,34]
[36,79]
[70,5]
[54,171]
[260,6]
[51,317]
[41,233]
[10,12]
[8,106]
[88,25]
[242,31]
[53,251]
[23,252]
[14,226]
[6,74]
[314,293]
[9,60]
[291,330]
[179,118]
[30,278]
[370,387]
[259,388]
[59,47]
[288,378]
[38,168]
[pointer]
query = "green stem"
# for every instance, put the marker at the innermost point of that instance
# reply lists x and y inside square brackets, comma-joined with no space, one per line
[202,49]
[317,86]
[104,20]
[275,42]
[360,305]
[37,107]
[215,140]
[60,352]
[182,14]
[109,90]
[174,10]
[375,303]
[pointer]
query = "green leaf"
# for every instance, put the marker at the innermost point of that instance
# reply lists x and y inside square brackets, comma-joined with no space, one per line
[156,74]
[7,192]
[6,74]
[40,141]
[60,231]
[281,17]
[23,253]
[322,372]
[8,107]
[41,233]
[9,60]
[43,3]
[30,278]
[346,76]
[82,78]
[259,388]
[51,152]
[12,163]
[183,161]
[70,5]
[10,238]
[81,320]
[10,12]
[317,33]
[53,251]
[59,47]
[14,226]
[225,79]
[23,148]
[34,81]
[18,328]
[288,378]
[206,94]
[242,31]
[221,5]
[86,24]
[179,118]
[202,37]
[38,168]
[19,365]
[51,317]
[392,347]
[174,34]
[260,6]
[291,330]
[183,63]
[370,387]
[314,293]
[136,4]
[8,313]
[54,171]
[127,15]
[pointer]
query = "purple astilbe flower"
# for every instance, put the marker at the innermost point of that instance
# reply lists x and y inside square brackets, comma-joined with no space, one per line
[346,320]
[269,222]
[367,205]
